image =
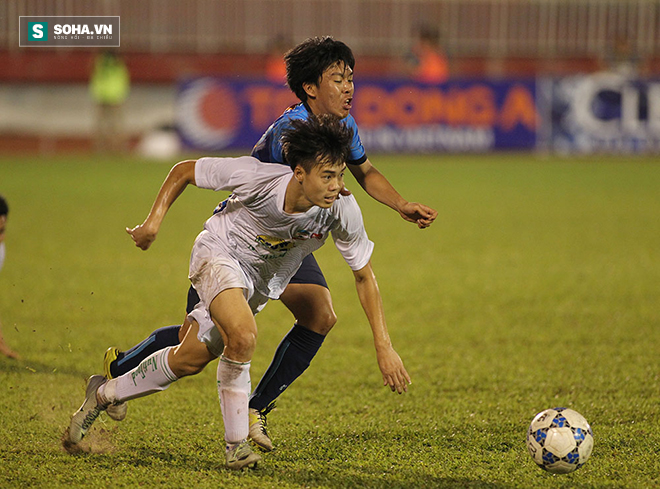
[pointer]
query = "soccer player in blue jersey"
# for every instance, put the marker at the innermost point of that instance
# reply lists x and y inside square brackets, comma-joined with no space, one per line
[320,73]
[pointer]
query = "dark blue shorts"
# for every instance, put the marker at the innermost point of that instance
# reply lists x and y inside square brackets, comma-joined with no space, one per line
[308,273]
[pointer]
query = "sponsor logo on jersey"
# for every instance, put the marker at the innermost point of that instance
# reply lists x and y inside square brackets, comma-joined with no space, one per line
[275,244]
[304,234]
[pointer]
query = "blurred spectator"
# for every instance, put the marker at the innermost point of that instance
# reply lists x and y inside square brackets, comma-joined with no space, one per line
[4,212]
[428,63]
[275,67]
[109,86]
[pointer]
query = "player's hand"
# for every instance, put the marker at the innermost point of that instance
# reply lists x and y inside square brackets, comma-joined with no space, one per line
[345,192]
[394,373]
[420,214]
[142,235]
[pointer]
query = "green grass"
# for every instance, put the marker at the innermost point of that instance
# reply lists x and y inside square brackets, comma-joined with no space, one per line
[538,286]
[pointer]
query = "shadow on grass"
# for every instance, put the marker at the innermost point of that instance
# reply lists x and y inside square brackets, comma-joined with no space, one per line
[272,472]
[154,458]
[373,458]
[406,479]
[340,460]
[272,476]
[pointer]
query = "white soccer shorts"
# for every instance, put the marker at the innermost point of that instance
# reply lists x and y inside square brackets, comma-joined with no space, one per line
[210,273]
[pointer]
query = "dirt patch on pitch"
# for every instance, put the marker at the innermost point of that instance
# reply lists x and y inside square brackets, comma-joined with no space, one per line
[99,441]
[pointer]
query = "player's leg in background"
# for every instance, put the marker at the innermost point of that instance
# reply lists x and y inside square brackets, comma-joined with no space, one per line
[159,370]
[116,362]
[156,373]
[308,298]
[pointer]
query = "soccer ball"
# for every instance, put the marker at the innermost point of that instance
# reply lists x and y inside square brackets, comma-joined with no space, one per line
[560,440]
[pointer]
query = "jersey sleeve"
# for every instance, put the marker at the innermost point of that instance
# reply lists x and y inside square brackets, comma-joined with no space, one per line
[268,149]
[349,234]
[358,155]
[233,174]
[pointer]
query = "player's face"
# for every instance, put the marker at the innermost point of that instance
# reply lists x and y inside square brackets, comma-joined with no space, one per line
[334,93]
[322,184]
[3,225]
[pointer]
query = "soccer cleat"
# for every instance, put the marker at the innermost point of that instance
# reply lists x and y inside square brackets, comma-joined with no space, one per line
[84,418]
[117,411]
[241,456]
[258,430]
[110,356]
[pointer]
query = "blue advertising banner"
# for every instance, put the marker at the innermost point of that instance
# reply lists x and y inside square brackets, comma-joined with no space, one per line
[602,112]
[393,116]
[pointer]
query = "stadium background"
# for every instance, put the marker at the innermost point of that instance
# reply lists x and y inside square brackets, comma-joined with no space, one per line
[492,46]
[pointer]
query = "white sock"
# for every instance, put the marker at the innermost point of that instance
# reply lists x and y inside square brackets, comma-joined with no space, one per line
[234,390]
[152,375]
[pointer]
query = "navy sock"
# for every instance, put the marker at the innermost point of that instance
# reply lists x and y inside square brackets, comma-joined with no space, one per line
[292,357]
[159,339]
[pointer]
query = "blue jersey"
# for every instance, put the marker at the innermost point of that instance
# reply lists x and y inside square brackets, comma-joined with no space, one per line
[269,147]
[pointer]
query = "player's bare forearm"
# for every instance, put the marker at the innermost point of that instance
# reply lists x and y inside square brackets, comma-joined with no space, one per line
[372,304]
[177,180]
[378,187]
[394,373]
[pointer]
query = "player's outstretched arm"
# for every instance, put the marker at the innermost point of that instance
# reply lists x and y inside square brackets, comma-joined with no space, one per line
[177,180]
[4,348]
[376,185]
[391,366]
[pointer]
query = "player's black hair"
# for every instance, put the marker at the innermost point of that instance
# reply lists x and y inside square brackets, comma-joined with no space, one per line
[316,140]
[4,207]
[306,62]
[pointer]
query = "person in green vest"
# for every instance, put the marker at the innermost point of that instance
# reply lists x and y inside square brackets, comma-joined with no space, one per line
[109,87]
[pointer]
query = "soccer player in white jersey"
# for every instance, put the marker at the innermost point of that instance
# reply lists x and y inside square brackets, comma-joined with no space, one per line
[4,212]
[246,254]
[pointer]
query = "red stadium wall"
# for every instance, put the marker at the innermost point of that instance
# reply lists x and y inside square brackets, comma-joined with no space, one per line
[74,66]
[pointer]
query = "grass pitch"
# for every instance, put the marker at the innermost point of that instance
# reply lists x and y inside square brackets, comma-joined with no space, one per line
[538,286]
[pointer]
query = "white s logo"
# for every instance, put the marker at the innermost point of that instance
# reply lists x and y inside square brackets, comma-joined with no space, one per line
[37,31]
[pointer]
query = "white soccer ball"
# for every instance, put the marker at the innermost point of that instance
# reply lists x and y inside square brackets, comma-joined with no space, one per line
[560,440]
[160,145]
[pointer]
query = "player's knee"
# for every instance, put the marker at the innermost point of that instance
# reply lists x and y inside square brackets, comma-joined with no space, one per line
[242,344]
[321,321]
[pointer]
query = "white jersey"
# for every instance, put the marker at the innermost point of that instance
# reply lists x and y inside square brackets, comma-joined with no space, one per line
[2,254]
[269,244]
